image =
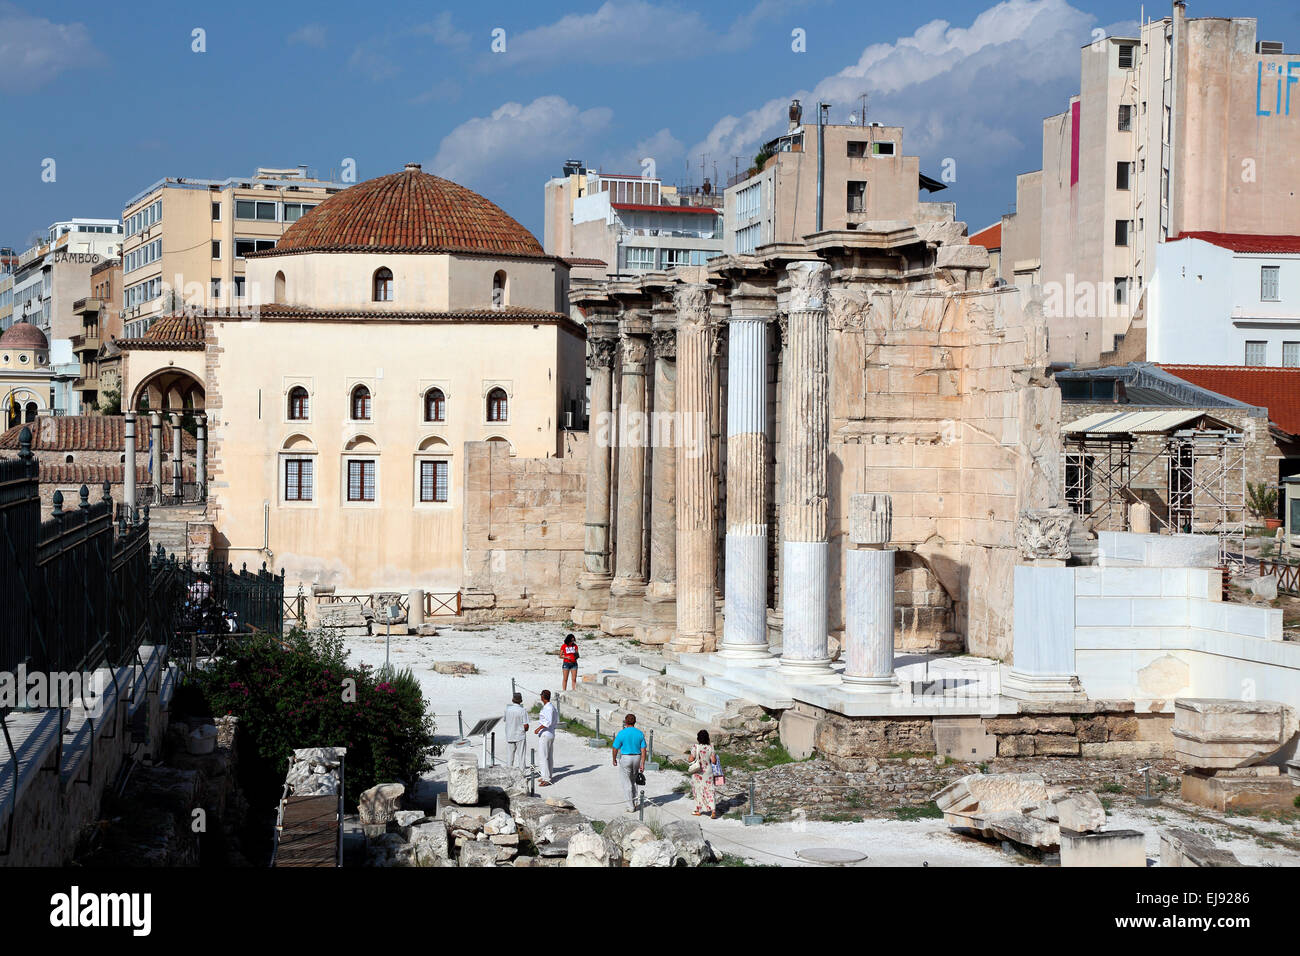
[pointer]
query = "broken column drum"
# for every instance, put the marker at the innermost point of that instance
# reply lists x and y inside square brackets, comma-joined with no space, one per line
[805,437]
[869,593]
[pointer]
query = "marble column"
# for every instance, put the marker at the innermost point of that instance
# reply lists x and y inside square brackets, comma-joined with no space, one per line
[201,456]
[178,462]
[627,590]
[155,455]
[593,583]
[805,435]
[745,627]
[696,479]
[128,465]
[659,615]
[869,594]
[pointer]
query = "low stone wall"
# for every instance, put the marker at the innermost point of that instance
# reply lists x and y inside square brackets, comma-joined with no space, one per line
[523,537]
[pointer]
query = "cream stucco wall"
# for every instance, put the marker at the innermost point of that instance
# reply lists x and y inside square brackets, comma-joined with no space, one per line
[396,541]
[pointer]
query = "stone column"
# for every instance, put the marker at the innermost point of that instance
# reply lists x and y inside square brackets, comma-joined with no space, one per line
[627,590]
[805,435]
[1042,662]
[201,456]
[178,471]
[696,482]
[155,454]
[745,627]
[659,616]
[128,465]
[869,594]
[593,584]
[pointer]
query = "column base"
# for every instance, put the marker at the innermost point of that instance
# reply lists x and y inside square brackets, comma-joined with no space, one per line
[812,668]
[875,685]
[1018,685]
[593,599]
[658,621]
[692,643]
[626,599]
[745,652]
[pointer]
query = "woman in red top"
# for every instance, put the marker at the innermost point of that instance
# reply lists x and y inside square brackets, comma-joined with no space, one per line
[569,655]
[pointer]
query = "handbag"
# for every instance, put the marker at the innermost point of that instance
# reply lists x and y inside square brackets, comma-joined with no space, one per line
[640,779]
[695,765]
[719,778]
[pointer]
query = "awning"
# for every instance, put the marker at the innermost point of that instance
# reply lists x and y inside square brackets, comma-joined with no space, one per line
[1141,423]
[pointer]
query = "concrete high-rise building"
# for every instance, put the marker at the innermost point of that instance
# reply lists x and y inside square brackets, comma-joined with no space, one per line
[791,193]
[1186,127]
[186,238]
[608,224]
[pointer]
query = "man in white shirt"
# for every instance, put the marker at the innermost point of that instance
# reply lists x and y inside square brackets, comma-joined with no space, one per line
[516,731]
[547,721]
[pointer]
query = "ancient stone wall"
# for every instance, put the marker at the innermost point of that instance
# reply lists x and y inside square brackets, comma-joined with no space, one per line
[524,527]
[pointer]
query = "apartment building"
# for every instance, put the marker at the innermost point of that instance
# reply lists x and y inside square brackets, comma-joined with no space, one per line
[97,356]
[186,239]
[629,223]
[791,193]
[1187,127]
[52,275]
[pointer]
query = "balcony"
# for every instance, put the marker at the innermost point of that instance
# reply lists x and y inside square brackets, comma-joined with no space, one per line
[87,306]
[88,341]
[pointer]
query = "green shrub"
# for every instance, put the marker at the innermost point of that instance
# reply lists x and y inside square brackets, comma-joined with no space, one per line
[300,692]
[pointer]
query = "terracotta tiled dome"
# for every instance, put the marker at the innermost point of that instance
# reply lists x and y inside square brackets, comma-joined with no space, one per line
[23,335]
[410,211]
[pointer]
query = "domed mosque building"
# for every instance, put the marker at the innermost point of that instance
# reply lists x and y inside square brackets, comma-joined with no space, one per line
[393,323]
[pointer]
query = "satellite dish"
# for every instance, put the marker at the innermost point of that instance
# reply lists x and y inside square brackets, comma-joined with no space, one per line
[853,119]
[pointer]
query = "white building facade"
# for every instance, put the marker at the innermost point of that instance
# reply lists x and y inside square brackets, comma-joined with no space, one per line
[1224,299]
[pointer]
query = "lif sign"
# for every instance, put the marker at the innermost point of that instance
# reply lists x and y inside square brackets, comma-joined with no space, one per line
[1273,87]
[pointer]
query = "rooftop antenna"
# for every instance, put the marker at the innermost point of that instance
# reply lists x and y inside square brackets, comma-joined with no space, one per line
[863,99]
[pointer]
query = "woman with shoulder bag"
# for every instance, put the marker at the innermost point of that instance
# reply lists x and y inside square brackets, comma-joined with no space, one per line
[705,770]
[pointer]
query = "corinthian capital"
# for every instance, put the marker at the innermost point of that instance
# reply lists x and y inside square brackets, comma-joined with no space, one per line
[665,343]
[692,303]
[808,285]
[635,350]
[601,352]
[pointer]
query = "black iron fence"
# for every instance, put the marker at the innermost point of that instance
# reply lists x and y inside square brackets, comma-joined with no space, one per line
[79,589]
[247,599]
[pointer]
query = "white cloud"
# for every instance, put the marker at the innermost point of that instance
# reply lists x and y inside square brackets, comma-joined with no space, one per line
[955,89]
[517,140]
[378,57]
[310,34]
[442,31]
[443,91]
[33,51]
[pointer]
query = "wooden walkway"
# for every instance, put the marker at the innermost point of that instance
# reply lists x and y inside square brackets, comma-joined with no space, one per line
[309,832]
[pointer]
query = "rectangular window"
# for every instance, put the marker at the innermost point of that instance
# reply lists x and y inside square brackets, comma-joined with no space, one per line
[293,211]
[1123,173]
[433,481]
[639,258]
[676,257]
[883,149]
[216,289]
[216,212]
[258,209]
[1121,291]
[244,246]
[216,248]
[857,196]
[1256,353]
[361,480]
[298,479]
[1126,56]
[857,148]
[1125,118]
[747,239]
[748,202]
[239,287]
[1291,354]
[1269,283]
[1122,227]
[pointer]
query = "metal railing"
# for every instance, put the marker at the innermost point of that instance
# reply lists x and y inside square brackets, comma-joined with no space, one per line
[436,604]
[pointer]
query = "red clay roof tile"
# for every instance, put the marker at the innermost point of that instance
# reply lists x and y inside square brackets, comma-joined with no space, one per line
[1277,389]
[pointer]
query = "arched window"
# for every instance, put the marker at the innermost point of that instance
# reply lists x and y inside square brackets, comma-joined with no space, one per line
[31,412]
[298,407]
[383,285]
[498,406]
[499,290]
[279,288]
[361,404]
[435,406]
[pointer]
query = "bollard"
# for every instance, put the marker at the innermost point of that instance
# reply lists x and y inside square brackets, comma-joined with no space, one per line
[494,749]
[460,725]
[595,741]
[532,776]
[753,817]
[651,763]
[512,688]
[642,807]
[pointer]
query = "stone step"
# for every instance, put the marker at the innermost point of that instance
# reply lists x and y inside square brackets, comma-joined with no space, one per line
[668,741]
[648,713]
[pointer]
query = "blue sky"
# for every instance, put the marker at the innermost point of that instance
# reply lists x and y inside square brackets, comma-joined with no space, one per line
[117,97]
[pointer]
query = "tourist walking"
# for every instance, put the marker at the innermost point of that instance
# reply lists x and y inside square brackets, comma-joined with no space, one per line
[569,667]
[629,758]
[547,721]
[704,768]
[516,732]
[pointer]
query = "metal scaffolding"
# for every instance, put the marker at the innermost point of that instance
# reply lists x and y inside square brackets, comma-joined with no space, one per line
[1200,460]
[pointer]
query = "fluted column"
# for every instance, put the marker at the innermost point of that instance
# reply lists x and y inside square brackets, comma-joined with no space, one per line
[696,478]
[659,617]
[178,471]
[745,628]
[627,591]
[128,465]
[869,594]
[805,435]
[593,583]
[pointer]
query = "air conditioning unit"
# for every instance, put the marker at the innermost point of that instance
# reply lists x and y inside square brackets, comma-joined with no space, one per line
[1270,47]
